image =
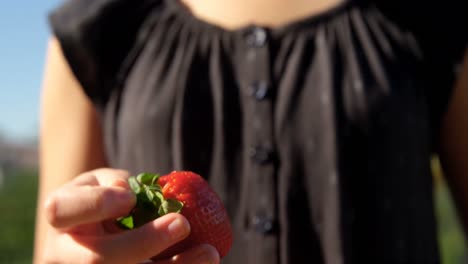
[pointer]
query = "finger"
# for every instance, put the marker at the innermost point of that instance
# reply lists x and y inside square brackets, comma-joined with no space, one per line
[142,243]
[112,177]
[76,205]
[203,254]
[103,177]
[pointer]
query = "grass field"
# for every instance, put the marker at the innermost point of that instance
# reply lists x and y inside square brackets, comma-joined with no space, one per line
[18,205]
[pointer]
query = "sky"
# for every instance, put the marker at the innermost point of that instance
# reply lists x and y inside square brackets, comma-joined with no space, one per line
[23,39]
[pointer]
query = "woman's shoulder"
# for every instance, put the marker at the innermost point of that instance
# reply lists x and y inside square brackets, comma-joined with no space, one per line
[440,23]
[440,30]
[96,37]
[99,22]
[70,11]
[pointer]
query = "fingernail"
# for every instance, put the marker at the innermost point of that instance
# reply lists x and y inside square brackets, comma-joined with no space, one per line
[209,256]
[179,228]
[120,183]
[206,258]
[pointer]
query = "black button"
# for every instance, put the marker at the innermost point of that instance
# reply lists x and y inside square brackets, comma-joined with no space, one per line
[259,90]
[256,37]
[262,224]
[261,155]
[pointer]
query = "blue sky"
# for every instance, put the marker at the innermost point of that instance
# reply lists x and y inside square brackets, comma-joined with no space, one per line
[23,38]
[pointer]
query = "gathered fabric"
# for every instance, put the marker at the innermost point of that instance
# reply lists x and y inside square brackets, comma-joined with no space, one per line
[317,135]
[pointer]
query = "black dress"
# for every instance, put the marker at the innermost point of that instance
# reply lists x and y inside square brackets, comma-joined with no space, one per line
[317,135]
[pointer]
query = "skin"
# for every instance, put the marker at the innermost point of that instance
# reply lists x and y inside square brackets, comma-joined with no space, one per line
[232,14]
[454,144]
[72,218]
[74,207]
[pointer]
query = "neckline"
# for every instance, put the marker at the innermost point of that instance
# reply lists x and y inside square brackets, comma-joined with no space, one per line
[183,12]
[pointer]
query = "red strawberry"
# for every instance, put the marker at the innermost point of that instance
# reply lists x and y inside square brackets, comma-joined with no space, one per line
[188,193]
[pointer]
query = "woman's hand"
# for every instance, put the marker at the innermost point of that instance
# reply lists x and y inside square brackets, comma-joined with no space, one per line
[81,216]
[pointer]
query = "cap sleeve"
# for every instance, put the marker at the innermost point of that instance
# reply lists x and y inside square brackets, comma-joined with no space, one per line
[96,37]
[442,35]
[440,29]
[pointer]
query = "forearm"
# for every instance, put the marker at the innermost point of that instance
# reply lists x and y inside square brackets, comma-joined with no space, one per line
[454,145]
[70,136]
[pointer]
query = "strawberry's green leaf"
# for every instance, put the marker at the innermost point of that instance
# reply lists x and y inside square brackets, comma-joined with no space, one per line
[150,204]
[126,222]
[155,188]
[159,196]
[158,199]
[149,193]
[142,198]
[161,210]
[147,178]
[171,206]
[134,185]
[154,181]
[144,214]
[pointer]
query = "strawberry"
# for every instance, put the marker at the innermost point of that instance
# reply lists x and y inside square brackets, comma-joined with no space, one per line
[187,193]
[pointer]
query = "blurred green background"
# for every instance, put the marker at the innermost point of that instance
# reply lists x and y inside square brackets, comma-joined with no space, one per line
[18,203]
[18,190]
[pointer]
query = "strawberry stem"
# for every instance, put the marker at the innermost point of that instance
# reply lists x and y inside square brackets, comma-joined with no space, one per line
[151,202]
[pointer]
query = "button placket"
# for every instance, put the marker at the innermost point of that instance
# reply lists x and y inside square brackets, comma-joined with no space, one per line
[259,90]
[261,155]
[261,152]
[262,224]
[256,37]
